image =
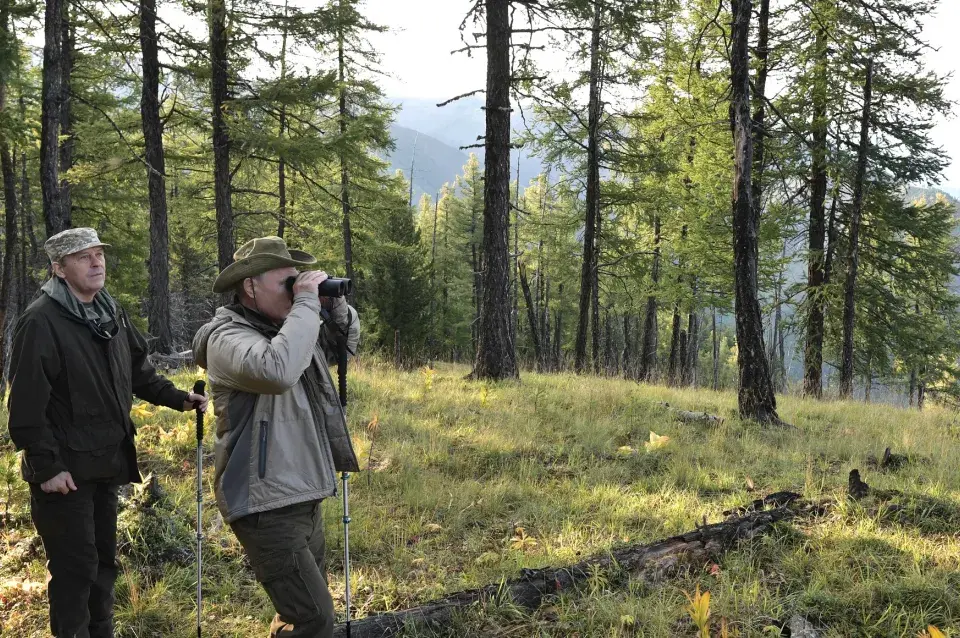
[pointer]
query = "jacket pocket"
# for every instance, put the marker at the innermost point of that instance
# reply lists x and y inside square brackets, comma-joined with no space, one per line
[262,471]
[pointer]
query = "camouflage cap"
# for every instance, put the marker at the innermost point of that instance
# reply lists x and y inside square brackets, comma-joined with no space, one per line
[71,241]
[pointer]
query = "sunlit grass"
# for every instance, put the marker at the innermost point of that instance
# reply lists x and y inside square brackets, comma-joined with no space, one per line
[470,482]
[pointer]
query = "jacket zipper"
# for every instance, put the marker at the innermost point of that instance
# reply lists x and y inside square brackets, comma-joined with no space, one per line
[263,449]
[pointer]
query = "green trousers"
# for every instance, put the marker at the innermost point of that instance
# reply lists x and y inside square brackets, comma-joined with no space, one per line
[286,549]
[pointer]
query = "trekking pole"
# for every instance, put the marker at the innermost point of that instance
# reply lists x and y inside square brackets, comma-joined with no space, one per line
[198,388]
[345,476]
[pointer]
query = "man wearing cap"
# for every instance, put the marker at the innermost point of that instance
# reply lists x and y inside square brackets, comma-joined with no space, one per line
[281,432]
[77,361]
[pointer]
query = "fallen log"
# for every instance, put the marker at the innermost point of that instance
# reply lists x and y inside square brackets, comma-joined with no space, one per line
[534,585]
[691,417]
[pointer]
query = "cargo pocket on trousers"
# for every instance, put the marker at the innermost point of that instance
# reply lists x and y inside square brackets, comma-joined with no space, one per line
[290,587]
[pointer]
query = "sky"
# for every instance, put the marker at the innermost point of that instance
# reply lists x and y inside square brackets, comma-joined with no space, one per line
[416,54]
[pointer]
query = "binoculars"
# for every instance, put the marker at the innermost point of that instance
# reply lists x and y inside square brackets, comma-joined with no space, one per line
[332,287]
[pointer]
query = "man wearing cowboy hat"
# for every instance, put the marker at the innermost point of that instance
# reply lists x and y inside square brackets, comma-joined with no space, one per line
[77,362]
[281,432]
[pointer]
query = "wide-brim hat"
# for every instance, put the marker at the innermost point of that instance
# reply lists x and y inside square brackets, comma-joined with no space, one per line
[258,256]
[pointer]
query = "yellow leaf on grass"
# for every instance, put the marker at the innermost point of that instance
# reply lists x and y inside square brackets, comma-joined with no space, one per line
[141,411]
[656,441]
[934,632]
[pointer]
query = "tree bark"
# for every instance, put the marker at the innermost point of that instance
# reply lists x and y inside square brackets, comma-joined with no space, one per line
[67,142]
[648,355]
[716,353]
[587,274]
[627,347]
[8,170]
[557,333]
[496,356]
[531,317]
[756,396]
[158,299]
[344,172]
[759,114]
[913,384]
[849,297]
[673,365]
[51,96]
[223,189]
[813,350]
[595,299]
[693,348]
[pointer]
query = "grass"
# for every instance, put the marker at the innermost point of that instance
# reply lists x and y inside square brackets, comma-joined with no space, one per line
[469,483]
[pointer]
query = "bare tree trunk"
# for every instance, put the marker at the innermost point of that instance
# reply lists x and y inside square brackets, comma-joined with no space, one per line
[595,299]
[716,353]
[158,299]
[672,377]
[531,317]
[648,354]
[756,396]
[762,53]
[913,384]
[867,383]
[558,334]
[587,274]
[628,371]
[849,298]
[514,290]
[344,172]
[50,117]
[693,347]
[7,168]
[496,356]
[67,142]
[813,350]
[545,327]
[223,189]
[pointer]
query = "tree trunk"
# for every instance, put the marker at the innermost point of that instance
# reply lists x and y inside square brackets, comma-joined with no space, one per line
[7,168]
[557,333]
[514,289]
[648,355]
[627,347]
[693,348]
[496,357]
[545,327]
[813,350]
[913,384]
[587,274]
[531,317]
[716,353]
[344,173]
[67,142]
[849,297]
[158,298]
[756,397]
[759,115]
[226,243]
[595,299]
[50,117]
[672,375]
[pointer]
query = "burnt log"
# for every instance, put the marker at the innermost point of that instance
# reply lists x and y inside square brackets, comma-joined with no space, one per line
[533,586]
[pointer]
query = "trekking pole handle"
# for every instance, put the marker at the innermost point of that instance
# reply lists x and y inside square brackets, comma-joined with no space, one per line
[198,388]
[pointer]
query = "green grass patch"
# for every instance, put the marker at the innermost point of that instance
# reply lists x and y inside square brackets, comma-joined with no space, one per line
[469,483]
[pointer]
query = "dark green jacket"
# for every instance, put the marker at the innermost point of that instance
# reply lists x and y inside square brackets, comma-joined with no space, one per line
[71,394]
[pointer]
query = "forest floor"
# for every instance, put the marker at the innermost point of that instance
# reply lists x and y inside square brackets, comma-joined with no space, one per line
[466,484]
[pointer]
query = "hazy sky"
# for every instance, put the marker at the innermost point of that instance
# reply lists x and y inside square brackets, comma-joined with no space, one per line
[424,32]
